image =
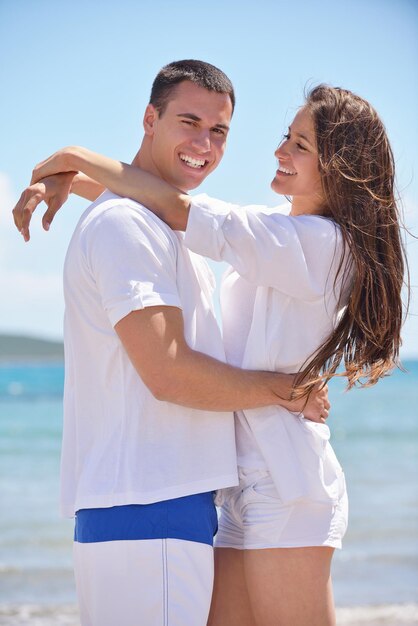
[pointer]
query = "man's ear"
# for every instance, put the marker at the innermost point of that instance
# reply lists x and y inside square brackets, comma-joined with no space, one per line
[150,116]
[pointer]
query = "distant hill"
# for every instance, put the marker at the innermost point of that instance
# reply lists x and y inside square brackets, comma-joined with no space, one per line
[17,347]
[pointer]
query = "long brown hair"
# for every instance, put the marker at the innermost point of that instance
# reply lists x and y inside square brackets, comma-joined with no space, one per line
[357,170]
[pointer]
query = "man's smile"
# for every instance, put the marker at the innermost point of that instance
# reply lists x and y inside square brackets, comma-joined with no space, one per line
[193,162]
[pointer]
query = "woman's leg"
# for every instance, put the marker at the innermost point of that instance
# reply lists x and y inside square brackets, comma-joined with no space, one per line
[230,603]
[290,586]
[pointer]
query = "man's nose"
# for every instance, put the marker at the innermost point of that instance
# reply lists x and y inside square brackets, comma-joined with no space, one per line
[201,141]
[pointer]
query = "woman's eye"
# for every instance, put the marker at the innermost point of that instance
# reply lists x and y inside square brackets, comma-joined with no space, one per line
[286,136]
[299,145]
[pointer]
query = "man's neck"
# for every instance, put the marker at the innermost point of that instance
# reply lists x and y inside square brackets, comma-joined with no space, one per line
[144,160]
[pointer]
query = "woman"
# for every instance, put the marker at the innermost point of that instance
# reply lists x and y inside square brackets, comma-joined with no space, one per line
[304,292]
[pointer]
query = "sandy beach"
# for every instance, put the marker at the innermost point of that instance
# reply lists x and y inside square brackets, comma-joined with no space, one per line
[386,615]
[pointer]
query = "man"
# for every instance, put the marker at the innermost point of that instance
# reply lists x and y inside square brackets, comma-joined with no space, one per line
[143,454]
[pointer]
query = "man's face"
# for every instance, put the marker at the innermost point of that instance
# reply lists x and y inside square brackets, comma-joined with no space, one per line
[188,140]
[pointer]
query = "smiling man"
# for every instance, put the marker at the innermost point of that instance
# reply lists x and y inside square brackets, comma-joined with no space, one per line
[138,470]
[148,428]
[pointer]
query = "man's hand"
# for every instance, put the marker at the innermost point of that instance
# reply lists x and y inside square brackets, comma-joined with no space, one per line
[53,190]
[315,407]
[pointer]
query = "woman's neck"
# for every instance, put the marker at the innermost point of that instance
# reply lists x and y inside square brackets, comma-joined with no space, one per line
[306,205]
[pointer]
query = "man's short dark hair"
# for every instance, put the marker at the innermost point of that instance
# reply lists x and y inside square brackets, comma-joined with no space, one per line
[198,72]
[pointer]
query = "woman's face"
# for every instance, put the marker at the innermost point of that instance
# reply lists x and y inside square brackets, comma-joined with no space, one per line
[298,173]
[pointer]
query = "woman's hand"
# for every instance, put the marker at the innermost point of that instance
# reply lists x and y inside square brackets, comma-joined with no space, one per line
[64,160]
[129,181]
[53,190]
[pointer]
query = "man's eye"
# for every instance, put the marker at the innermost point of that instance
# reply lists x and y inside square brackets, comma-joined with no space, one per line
[218,131]
[286,136]
[188,122]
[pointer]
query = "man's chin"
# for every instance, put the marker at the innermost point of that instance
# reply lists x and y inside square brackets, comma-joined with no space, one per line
[195,185]
[187,184]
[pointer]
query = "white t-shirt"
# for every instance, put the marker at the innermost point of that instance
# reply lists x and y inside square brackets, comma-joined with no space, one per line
[120,444]
[283,303]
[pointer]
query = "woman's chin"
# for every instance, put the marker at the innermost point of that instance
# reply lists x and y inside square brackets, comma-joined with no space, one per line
[277,187]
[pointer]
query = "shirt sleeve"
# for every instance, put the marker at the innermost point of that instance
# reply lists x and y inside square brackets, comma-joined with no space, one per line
[296,255]
[132,260]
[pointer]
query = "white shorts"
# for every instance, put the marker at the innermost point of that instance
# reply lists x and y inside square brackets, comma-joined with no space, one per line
[253,517]
[148,582]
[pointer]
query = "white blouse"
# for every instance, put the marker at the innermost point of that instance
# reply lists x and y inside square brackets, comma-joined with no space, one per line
[286,267]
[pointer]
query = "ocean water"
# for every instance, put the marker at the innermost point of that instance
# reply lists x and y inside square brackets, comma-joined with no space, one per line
[375,435]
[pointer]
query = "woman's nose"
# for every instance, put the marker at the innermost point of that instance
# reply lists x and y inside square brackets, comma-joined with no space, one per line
[281,150]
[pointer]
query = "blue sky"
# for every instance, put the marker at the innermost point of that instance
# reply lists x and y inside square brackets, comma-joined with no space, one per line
[81,72]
